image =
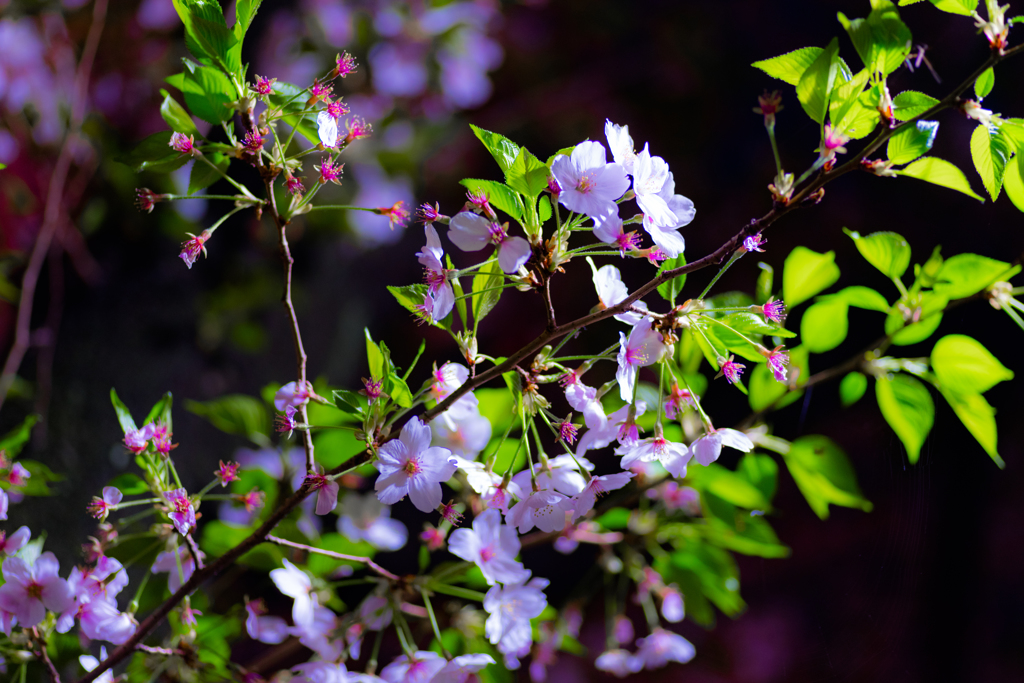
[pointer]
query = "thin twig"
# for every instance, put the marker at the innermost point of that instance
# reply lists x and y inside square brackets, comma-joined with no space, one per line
[193,549]
[338,556]
[166,651]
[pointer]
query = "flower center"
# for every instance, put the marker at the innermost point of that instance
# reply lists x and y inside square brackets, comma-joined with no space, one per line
[636,356]
[181,505]
[585,184]
[34,590]
[487,554]
[497,233]
[412,466]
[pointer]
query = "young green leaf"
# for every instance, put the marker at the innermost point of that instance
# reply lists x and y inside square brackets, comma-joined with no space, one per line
[374,358]
[124,416]
[863,297]
[208,93]
[499,196]
[790,66]
[912,141]
[805,273]
[964,366]
[852,388]
[487,278]
[155,154]
[963,7]
[671,289]
[14,440]
[824,475]
[907,406]
[235,414]
[887,251]
[760,470]
[749,323]
[203,175]
[411,298]
[765,282]
[922,319]
[501,148]
[527,174]
[940,172]
[882,39]
[966,274]
[983,85]
[206,30]
[176,116]
[991,152]
[817,81]
[910,103]
[161,412]
[980,419]
[824,324]
[1013,181]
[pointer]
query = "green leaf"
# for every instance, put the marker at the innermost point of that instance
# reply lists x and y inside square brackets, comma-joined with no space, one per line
[129,484]
[887,251]
[235,414]
[817,81]
[544,209]
[176,116]
[1013,181]
[323,566]
[460,293]
[487,277]
[161,411]
[790,66]
[749,323]
[287,97]
[207,32]
[983,86]
[374,357]
[852,388]
[962,365]
[671,289]
[208,93]
[912,141]
[14,440]
[990,151]
[411,297]
[203,175]
[765,390]
[499,195]
[806,273]
[824,475]
[882,40]
[245,11]
[348,401]
[155,154]
[980,419]
[848,112]
[399,391]
[528,174]
[863,297]
[926,310]
[124,416]
[963,7]
[910,104]
[907,406]
[966,274]
[729,486]
[824,324]
[940,172]
[762,471]
[2,166]
[501,148]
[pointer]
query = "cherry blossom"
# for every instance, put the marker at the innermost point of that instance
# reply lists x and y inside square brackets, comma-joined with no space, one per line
[774,310]
[662,647]
[665,232]
[269,630]
[623,630]
[672,604]
[436,275]
[420,667]
[619,663]
[472,232]
[31,590]
[561,473]
[326,491]
[346,64]
[364,518]
[181,143]
[621,145]
[190,250]
[292,394]
[294,583]
[609,229]
[584,399]
[676,401]
[4,504]
[320,672]
[609,429]
[672,456]
[589,184]
[409,466]
[510,609]
[544,509]
[596,487]
[101,507]
[754,242]
[15,542]
[643,347]
[316,634]
[460,668]
[493,546]
[730,369]
[650,174]
[778,359]
[329,173]
[18,476]
[168,562]
[327,128]
[180,510]
[264,85]
[375,612]
[101,620]
[612,290]
[89,663]
[707,448]
[226,473]
[464,434]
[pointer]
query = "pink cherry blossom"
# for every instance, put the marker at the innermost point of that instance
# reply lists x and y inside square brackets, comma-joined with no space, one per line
[264,85]
[609,229]
[436,275]
[584,399]
[672,604]
[544,509]
[190,249]
[672,456]
[15,542]
[611,290]
[778,359]
[18,476]
[493,546]
[754,242]
[226,473]
[101,507]
[346,64]
[598,486]
[269,630]
[316,635]
[662,647]
[181,143]
[707,448]
[676,401]
[461,668]
[292,394]
[730,369]
[589,184]
[180,510]
[623,630]
[610,429]
[649,177]
[510,609]
[665,232]
[774,310]
[465,433]
[409,466]
[619,663]
[101,620]
[327,128]
[31,590]
[168,562]
[320,672]
[561,473]
[329,173]
[420,667]
[472,232]
[643,347]
[326,491]
[4,504]
[136,440]
[364,518]
[375,613]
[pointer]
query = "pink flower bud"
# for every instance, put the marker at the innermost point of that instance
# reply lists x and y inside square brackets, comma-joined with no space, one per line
[731,370]
[346,64]
[181,143]
[191,249]
[264,85]
[329,173]
[294,185]
[227,472]
[754,242]
[397,215]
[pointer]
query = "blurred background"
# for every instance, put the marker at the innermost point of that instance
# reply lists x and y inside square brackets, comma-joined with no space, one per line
[925,587]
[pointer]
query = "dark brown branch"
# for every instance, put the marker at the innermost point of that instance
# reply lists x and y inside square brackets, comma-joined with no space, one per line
[45,656]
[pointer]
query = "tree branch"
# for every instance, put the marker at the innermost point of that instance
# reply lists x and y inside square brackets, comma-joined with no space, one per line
[338,556]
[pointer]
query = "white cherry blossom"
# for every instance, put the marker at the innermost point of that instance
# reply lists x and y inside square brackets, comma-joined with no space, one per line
[409,466]
[493,546]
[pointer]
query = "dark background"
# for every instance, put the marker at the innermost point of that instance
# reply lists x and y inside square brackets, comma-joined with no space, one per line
[925,587]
